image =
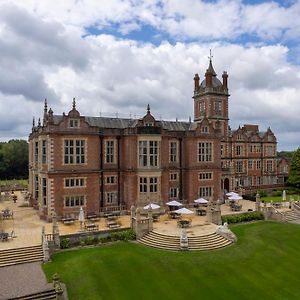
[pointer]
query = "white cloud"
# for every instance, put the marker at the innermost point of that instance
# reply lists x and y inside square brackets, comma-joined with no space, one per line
[45,55]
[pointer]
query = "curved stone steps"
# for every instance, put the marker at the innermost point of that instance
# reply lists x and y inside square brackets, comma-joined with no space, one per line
[210,241]
[291,215]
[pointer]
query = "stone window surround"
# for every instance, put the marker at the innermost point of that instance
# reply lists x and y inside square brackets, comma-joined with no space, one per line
[74,140]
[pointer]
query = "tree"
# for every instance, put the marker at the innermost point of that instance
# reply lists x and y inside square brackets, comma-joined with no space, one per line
[14,159]
[294,174]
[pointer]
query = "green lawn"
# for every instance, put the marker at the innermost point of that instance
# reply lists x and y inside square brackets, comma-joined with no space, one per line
[15,181]
[263,264]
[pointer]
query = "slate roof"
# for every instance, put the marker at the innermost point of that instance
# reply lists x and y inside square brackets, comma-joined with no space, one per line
[122,123]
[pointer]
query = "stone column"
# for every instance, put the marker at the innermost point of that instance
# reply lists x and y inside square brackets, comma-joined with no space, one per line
[55,231]
[132,215]
[257,202]
[150,217]
[45,246]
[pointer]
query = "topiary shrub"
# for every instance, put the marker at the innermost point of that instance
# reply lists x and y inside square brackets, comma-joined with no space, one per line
[65,243]
[244,217]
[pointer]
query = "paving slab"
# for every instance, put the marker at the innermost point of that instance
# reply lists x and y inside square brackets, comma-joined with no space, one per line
[16,282]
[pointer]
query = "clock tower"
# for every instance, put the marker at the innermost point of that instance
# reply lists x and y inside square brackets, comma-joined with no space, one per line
[211,99]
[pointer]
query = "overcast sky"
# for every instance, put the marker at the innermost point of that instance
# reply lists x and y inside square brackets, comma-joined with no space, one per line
[119,55]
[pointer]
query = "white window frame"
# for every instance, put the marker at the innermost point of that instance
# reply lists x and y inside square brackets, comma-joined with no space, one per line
[109,151]
[205,152]
[74,151]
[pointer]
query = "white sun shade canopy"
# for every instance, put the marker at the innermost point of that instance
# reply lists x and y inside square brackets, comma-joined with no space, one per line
[184,211]
[152,206]
[174,203]
[201,201]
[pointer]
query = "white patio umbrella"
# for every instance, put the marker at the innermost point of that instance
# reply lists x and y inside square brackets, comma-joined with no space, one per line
[201,201]
[235,197]
[284,195]
[174,203]
[152,206]
[81,216]
[183,211]
[231,194]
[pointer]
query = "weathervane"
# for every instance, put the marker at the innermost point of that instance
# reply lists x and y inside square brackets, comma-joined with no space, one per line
[210,55]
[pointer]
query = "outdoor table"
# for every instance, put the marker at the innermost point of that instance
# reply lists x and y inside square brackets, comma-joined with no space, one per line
[155,218]
[201,212]
[3,236]
[68,221]
[277,205]
[174,215]
[6,213]
[91,227]
[93,217]
[183,223]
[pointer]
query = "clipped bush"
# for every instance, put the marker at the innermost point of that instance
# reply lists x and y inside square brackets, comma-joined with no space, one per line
[263,193]
[244,217]
[89,240]
[123,235]
[104,239]
[65,243]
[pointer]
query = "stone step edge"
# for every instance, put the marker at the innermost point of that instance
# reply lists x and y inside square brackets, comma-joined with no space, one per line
[17,262]
[170,235]
[215,241]
[21,249]
[44,294]
[14,254]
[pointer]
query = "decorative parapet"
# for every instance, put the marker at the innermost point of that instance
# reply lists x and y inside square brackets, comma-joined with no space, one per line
[45,246]
[225,232]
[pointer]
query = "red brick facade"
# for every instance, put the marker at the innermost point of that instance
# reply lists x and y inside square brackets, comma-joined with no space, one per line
[98,162]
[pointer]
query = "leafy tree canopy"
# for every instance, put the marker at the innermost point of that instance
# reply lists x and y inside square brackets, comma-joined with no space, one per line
[14,159]
[294,175]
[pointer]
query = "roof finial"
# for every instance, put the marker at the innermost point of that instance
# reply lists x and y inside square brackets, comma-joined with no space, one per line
[33,122]
[74,103]
[148,109]
[45,106]
[210,55]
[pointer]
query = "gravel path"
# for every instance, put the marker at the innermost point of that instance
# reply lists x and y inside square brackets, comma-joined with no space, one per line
[23,279]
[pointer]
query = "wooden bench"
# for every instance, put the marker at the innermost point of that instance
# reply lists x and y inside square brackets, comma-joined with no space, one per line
[68,221]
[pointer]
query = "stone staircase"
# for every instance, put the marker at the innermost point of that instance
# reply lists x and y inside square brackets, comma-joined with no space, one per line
[291,215]
[44,295]
[200,243]
[16,256]
[208,242]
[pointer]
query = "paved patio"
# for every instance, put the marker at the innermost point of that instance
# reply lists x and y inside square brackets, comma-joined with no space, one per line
[28,227]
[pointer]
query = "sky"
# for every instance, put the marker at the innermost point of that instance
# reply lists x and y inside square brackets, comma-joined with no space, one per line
[117,56]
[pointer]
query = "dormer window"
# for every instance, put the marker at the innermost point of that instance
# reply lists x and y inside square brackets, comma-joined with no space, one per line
[149,124]
[204,129]
[74,123]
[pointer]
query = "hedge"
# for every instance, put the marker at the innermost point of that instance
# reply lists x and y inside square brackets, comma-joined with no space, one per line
[244,217]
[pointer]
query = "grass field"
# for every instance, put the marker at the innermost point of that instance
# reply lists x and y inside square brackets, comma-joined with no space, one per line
[15,181]
[263,264]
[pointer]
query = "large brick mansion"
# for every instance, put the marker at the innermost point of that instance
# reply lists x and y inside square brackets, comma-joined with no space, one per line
[100,162]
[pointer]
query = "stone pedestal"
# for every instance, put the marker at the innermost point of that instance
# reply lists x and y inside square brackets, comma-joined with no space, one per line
[184,243]
[214,212]
[257,202]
